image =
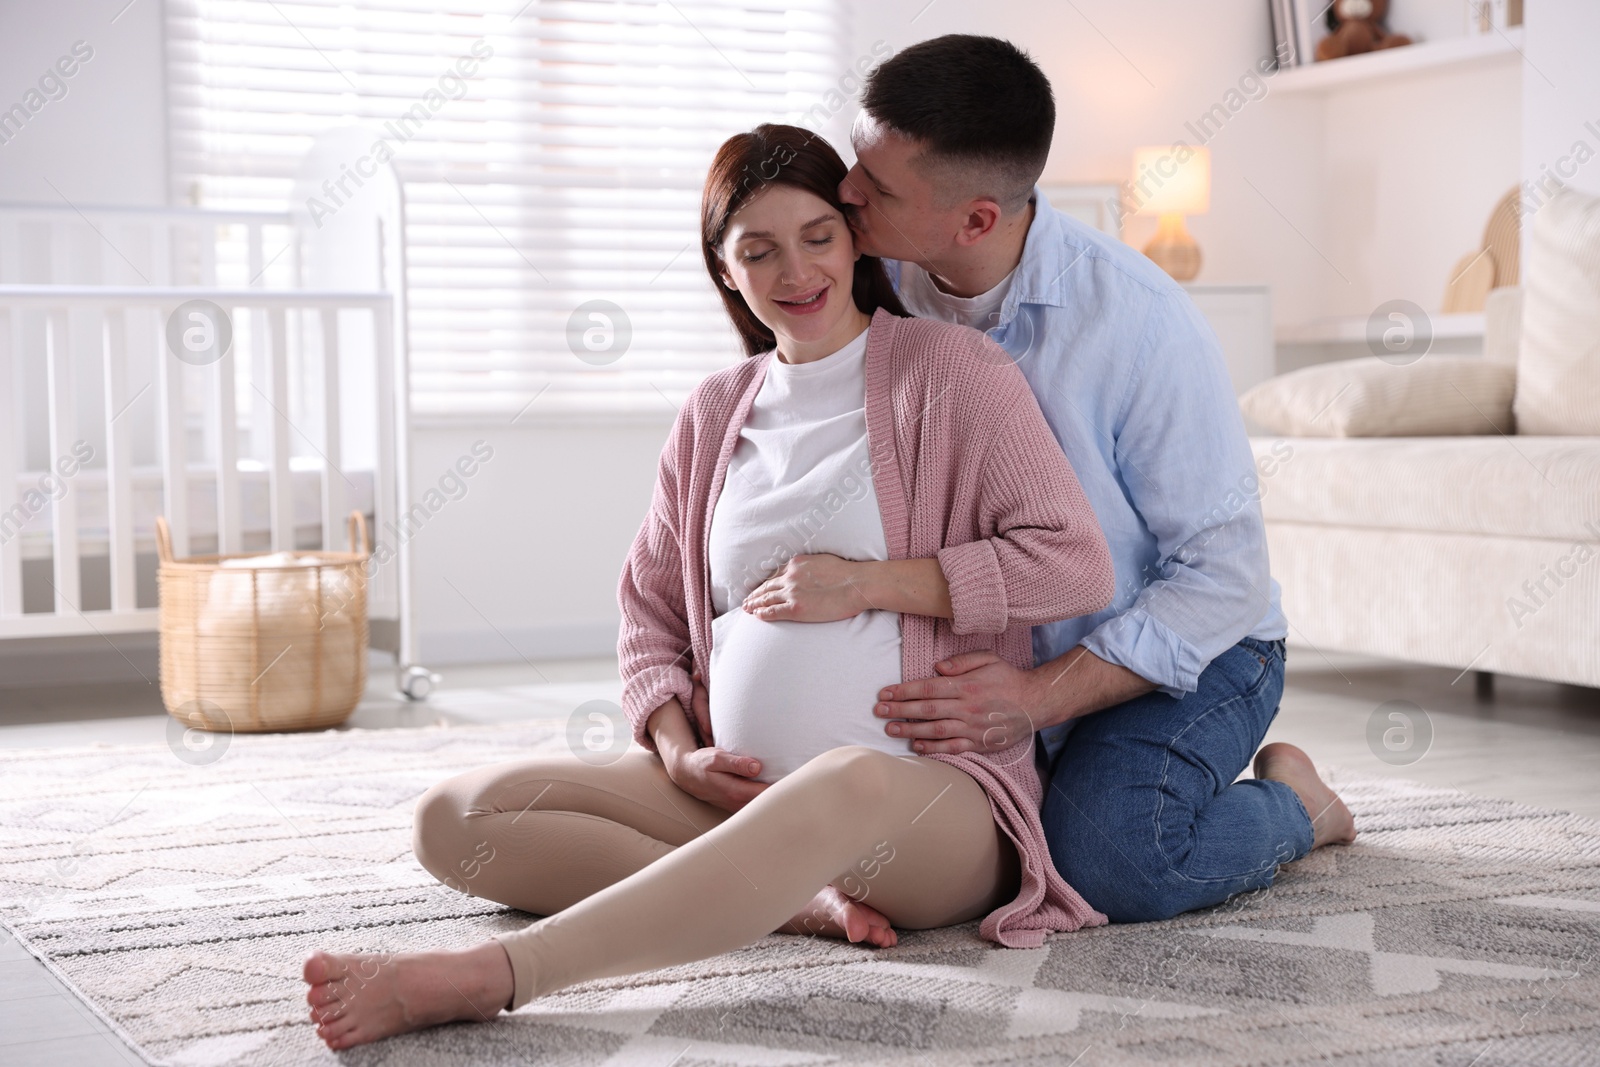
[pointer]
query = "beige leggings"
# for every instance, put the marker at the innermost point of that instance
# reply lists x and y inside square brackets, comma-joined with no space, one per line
[635,874]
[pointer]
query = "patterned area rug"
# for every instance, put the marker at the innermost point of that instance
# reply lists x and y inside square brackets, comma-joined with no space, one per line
[181,899]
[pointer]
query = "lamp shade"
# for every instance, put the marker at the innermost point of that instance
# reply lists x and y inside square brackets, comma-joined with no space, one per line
[1163,186]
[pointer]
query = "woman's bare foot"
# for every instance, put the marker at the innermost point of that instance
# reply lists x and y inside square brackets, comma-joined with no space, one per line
[1331,821]
[832,914]
[356,998]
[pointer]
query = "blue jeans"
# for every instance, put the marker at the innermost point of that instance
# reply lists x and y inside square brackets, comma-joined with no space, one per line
[1141,809]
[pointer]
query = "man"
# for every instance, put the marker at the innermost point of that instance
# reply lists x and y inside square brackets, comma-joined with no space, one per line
[1147,711]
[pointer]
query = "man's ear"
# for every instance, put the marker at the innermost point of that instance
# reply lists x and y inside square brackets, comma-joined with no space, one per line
[982,217]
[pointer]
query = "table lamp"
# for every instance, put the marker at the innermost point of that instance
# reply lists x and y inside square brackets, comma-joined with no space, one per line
[1171,189]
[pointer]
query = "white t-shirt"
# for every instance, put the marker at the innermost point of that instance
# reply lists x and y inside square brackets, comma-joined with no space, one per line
[799,482]
[923,298]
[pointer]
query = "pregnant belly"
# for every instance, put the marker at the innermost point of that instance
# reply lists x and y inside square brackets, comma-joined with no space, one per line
[785,692]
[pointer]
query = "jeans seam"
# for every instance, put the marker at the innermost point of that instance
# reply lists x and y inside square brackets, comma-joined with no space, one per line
[1161,788]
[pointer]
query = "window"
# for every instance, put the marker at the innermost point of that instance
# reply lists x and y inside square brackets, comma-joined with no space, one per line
[565,168]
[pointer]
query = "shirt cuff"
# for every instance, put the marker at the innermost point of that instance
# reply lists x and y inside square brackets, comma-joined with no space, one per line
[977,588]
[1149,648]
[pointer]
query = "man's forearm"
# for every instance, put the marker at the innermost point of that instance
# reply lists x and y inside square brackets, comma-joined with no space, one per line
[1078,683]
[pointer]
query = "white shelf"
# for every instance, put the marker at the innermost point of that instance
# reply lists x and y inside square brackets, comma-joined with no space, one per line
[1250,288]
[1452,53]
[1353,330]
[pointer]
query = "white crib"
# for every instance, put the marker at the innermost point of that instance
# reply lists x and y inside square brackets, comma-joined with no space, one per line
[103,426]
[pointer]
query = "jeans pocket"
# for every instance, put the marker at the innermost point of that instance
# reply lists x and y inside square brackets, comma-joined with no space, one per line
[1247,664]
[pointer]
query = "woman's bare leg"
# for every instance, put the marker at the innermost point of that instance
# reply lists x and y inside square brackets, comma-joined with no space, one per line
[914,837]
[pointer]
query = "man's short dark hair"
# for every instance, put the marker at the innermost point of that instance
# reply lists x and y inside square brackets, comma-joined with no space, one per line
[978,102]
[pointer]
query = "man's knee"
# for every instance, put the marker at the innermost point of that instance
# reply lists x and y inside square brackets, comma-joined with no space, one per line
[1128,895]
[1113,869]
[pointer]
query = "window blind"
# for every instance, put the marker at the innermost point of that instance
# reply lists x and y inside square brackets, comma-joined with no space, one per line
[566,169]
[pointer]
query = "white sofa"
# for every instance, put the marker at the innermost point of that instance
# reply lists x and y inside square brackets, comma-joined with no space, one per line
[1476,550]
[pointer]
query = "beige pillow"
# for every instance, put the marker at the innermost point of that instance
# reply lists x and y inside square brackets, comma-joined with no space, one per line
[1369,397]
[1558,366]
[1502,325]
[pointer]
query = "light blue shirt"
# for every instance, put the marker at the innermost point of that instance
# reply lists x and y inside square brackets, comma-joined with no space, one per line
[1133,384]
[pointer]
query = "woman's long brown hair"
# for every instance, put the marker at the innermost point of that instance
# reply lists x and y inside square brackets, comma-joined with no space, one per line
[750,162]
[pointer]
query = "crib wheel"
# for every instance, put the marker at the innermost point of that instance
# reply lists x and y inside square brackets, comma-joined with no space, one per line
[416,683]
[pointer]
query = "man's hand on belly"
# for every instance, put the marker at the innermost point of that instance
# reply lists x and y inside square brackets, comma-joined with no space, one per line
[980,703]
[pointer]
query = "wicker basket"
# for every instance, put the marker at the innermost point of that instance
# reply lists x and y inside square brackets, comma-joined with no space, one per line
[255,648]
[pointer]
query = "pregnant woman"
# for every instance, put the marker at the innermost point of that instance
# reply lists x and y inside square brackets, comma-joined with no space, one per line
[864,496]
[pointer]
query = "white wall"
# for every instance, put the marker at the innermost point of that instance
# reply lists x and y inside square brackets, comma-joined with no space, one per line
[1127,75]
[1391,184]
[526,563]
[534,548]
[1414,167]
[1341,201]
[105,141]
[1561,89]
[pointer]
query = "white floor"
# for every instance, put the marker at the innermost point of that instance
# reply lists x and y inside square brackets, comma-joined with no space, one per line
[1531,742]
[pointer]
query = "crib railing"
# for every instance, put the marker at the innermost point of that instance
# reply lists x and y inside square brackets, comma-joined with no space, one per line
[78,338]
[164,246]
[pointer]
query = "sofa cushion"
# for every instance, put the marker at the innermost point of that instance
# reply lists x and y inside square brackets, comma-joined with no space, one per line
[1544,487]
[1558,365]
[1370,397]
[1504,604]
[1502,325]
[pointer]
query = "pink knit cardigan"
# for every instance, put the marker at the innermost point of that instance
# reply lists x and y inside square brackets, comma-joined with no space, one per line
[965,469]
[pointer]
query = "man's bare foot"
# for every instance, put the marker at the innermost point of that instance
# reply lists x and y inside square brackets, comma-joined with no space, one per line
[832,914]
[1331,821]
[356,998]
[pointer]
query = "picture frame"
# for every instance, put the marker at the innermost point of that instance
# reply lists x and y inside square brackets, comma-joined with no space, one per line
[1098,204]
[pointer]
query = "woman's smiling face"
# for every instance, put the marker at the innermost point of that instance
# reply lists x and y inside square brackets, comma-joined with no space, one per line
[790,255]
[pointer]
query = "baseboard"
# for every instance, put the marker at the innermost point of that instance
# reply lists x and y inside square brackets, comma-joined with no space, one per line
[29,662]
[88,660]
[579,640]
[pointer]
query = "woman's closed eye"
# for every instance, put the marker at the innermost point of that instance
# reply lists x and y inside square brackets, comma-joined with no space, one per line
[757,257]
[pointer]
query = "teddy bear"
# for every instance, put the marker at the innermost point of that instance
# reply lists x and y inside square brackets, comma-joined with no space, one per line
[1357,26]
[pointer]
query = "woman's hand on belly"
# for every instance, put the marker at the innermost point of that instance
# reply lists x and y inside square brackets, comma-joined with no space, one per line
[811,588]
[720,778]
[825,588]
